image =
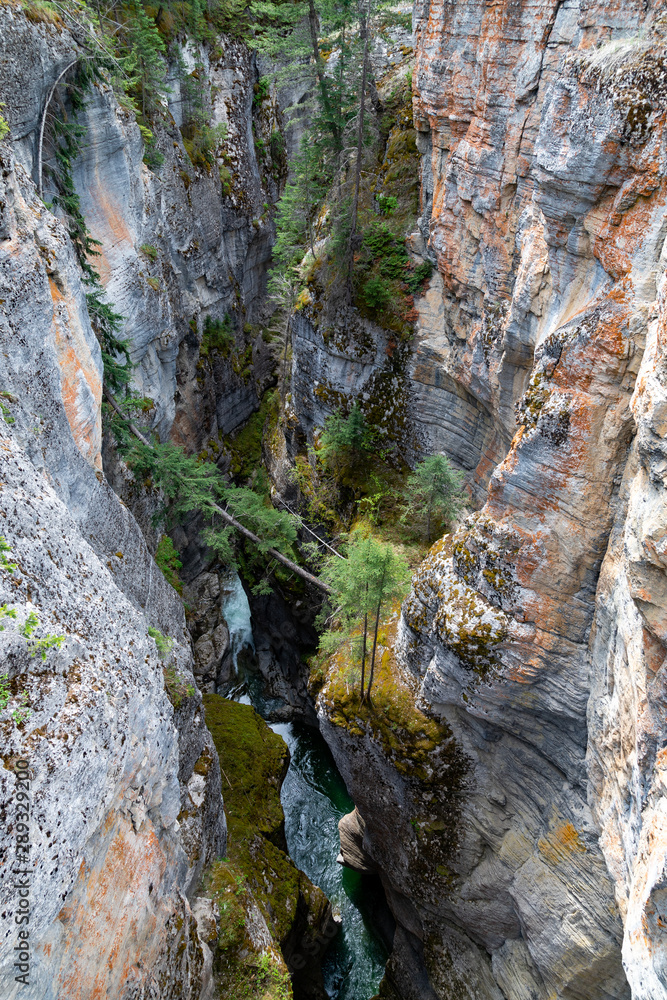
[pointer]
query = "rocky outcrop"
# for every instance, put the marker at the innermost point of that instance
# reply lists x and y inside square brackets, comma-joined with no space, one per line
[124,794]
[210,632]
[536,632]
[178,243]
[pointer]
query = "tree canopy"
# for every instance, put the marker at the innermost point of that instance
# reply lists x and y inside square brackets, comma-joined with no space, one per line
[433,493]
[374,575]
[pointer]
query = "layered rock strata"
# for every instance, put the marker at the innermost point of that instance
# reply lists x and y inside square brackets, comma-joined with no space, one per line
[536,632]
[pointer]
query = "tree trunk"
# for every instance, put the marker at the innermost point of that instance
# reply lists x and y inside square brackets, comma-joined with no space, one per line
[375,642]
[375,634]
[319,70]
[227,518]
[363,649]
[357,172]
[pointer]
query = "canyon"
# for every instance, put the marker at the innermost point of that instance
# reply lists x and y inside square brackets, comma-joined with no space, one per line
[511,798]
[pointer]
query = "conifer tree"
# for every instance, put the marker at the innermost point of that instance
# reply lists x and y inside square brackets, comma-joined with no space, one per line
[147,53]
[363,585]
[434,491]
[345,440]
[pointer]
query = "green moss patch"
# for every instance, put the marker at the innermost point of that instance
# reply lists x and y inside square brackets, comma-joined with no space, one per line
[246,444]
[257,876]
[254,761]
[420,748]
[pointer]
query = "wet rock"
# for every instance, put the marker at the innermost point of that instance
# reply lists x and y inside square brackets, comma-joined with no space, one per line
[351,829]
[213,660]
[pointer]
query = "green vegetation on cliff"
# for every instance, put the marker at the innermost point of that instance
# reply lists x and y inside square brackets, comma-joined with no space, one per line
[257,882]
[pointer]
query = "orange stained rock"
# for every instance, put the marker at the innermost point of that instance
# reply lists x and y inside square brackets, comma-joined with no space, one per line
[113,914]
[108,225]
[81,386]
[560,843]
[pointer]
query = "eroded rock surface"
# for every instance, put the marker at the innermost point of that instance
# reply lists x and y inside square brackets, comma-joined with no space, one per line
[125,782]
[537,631]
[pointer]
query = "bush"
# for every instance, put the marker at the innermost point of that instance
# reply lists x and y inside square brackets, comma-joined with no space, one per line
[149,251]
[376,294]
[164,643]
[420,274]
[218,337]
[387,203]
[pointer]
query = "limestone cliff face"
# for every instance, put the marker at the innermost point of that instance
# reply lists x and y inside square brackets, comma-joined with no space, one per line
[179,243]
[537,631]
[126,800]
[125,789]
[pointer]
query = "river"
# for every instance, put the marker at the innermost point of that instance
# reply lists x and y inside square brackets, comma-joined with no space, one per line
[314,798]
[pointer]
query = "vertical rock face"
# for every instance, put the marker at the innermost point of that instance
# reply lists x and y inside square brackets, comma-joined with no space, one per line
[125,781]
[537,631]
[124,792]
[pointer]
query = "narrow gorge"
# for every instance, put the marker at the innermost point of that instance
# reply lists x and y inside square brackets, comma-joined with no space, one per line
[333,500]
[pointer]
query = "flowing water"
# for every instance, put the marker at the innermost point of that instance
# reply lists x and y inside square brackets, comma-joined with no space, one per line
[236,611]
[314,798]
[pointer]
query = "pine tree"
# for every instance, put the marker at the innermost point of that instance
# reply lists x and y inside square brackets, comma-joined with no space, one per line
[147,53]
[434,492]
[345,440]
[363,585]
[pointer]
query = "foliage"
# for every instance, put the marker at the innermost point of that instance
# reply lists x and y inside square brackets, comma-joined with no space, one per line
[140,52]
[387,203]
[37,645]
[107,323]
[202,142]
[164,643]
[217,337]
[275,529]
[297,208]
[433,494]
[5,412]
[5,692]
[149,251]
[5,551]
[167,559]
[246,444]
[188,483]
[176,686]
[4,126]
[373,576]
[345,440]
[416,278]
[376,293]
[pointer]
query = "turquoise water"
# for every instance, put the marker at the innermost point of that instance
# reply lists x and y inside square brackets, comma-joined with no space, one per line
[314,798]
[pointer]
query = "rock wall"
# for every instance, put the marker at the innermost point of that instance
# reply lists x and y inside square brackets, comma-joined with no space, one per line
[536,632]
[125,788]
[125,781]
[178,243]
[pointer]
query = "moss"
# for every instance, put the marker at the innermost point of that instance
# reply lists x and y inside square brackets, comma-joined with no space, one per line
[176,686]
[242,363]
[256,872]
[255,761]
[463,619]
[167,559]
[246,445]
[42,12]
